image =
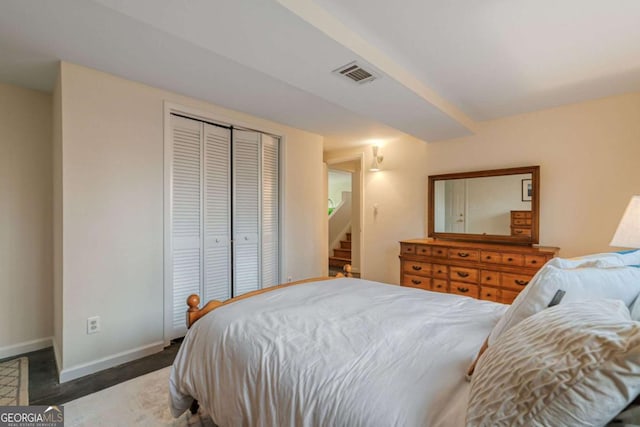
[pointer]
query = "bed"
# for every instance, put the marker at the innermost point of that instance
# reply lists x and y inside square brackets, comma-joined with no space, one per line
[352,352]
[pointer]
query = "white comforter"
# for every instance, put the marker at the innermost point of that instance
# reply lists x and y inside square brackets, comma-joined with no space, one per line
[344,352]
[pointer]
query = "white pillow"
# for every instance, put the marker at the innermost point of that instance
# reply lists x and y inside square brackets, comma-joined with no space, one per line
[581,284]
[630,258]
[589,261]
[635,309]
[571,365]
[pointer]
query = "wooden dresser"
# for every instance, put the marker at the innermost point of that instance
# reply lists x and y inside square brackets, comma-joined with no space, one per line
[488,271]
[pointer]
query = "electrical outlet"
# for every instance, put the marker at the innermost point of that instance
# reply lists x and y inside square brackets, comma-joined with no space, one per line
[93,325]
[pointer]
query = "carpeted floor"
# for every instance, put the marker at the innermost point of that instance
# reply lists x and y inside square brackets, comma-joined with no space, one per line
[142,401]
[14,382]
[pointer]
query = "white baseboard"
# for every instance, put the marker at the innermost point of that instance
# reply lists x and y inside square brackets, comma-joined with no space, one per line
[109,362]
[24,347]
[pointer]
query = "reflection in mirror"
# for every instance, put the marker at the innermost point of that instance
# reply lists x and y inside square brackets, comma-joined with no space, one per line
[480,205]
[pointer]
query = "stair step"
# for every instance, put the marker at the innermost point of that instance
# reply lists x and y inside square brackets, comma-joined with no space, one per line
[342,253]
[349,237]
[345,244]
[338,262]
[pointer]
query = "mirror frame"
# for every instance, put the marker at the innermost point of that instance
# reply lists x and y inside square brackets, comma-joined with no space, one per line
[518,240]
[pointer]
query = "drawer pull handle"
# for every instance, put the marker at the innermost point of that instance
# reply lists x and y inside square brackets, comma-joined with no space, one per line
[518,231]
[533,261]
[489,278]
[416,267]
[463,254]
[416,282]
[463,290]
[438,286]
[509,259]
[439,252]
[521,282]
[439,271]
[462,274]
[488,257]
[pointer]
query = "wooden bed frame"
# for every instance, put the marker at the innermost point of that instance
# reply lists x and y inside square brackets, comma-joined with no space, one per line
[194,313]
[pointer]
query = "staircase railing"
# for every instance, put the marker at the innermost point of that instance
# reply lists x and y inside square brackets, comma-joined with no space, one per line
[340,220]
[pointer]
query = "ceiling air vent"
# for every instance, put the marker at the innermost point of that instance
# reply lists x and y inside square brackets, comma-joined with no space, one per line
[356,73]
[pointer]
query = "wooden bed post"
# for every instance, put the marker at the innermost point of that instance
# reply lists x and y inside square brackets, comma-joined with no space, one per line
[194,313]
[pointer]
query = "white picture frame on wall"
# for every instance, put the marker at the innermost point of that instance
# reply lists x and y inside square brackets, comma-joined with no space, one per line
[527,190]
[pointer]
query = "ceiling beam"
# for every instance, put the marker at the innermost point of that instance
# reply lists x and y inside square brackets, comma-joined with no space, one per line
[318,17]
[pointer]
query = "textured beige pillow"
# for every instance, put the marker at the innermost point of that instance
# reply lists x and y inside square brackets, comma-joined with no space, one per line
[576,364]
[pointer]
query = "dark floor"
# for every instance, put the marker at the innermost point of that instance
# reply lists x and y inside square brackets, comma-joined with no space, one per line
[44,388]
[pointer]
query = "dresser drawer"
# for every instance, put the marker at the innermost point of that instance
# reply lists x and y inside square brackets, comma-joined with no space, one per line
[534,260]
[493,257]
[521,231]
[507,297]
[513,259]
[407,249]
[466,289]
[463,274]
[439,252]
[520,214]
[423,250]
[489,294]
[464,254]
[488,277]
[514,281]
[417,282]
[521,221]
[439,285]
[439,271]
[417,267]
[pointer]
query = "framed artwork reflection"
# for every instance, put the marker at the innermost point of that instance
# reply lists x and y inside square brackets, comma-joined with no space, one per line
[527,190]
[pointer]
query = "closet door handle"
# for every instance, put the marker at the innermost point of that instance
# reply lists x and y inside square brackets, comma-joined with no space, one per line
[521,282]
[462,274]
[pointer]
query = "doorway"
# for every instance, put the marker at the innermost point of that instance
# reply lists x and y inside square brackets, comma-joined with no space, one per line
[344,210]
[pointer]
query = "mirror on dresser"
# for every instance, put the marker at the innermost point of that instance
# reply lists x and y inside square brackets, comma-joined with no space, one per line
[500,205]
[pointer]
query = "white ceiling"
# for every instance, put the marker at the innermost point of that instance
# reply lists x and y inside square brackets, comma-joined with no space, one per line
[444,64]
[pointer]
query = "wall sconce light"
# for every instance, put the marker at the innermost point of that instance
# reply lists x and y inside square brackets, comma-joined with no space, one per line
[375,164]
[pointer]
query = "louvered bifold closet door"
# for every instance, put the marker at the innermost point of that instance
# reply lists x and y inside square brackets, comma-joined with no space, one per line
[246,223]
[217,213]
[270,211]
[185,218]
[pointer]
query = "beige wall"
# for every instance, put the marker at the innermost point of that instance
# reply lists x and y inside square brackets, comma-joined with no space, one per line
[398,191]
[25,220]
[587,153]
[112,180]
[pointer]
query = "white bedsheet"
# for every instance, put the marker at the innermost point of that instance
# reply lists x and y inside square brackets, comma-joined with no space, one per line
[344,352]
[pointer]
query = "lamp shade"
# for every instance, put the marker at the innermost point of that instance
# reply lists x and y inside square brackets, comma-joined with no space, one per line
[628,233]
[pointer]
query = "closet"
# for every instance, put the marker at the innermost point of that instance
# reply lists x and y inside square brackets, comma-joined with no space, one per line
[222,219]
